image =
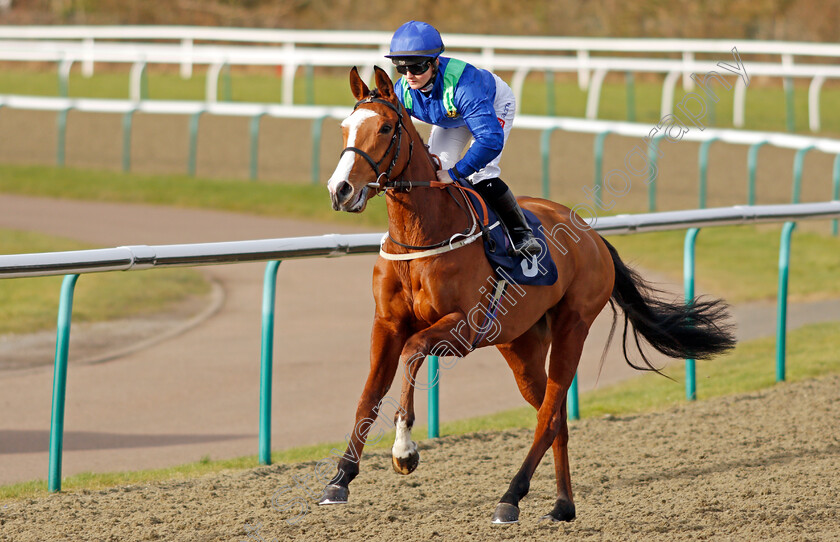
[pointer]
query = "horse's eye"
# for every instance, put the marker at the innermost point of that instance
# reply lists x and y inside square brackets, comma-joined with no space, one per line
[385,129]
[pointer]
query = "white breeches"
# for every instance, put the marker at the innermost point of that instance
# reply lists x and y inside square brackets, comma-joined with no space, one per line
[449,143]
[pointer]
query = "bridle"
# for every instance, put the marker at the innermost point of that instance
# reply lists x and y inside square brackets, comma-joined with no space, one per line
[396,140]
[407,185]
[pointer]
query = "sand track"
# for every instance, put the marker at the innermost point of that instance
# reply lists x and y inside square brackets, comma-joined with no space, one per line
[762,466]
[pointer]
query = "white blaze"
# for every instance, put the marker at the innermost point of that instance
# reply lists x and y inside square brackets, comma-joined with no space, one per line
[403,446]
[345,164]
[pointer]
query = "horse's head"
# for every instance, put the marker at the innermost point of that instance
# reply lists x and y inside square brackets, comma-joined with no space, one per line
[372,143]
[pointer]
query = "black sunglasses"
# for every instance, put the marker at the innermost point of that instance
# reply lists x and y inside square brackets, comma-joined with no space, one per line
[415,69]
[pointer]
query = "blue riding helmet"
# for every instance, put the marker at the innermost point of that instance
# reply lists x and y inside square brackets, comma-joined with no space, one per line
[414,42]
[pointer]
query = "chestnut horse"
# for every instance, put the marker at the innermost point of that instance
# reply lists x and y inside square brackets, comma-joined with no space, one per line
[420,302]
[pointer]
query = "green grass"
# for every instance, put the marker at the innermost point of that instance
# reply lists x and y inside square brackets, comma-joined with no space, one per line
[811,353]
[162,85]
[765,106]
[253,197]
[31,304]
[739,263]
[765,103]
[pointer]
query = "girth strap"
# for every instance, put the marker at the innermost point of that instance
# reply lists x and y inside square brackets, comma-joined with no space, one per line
[492,310]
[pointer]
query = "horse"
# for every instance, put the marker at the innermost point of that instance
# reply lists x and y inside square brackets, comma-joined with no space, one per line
[422,302]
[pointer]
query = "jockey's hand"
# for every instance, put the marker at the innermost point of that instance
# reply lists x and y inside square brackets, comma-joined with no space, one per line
[443,176]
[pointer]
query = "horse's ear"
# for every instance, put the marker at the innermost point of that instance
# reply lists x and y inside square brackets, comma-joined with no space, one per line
[358,87]
[383,83]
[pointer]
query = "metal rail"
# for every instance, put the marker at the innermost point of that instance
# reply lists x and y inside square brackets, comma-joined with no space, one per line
[138,257]
[129,258]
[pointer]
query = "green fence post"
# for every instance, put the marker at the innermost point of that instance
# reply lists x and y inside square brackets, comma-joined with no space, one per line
[550,93]
[255,144]
[703,166]
[630,91]
[310,84]
[434,396]
[61,125]
[835,194]
[317,130]
[789,105]
[599,161]
[144,83]
[712,115]
[191,159]
[267,360]
[798,166]
[545,147]
[572,400]
[227,84]
[62,346]
[752,165]
[781,314]
[688,285]
[128,120]
[653,156]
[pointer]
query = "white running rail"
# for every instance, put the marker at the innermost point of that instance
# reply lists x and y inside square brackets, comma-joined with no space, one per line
[88,45]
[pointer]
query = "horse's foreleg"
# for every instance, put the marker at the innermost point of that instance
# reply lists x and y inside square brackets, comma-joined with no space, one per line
[386,344]
[433,340]
[567,346]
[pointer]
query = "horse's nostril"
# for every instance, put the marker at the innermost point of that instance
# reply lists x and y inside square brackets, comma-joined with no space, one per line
[344,190]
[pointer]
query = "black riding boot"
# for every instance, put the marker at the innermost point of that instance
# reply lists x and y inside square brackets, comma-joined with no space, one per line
[498,196]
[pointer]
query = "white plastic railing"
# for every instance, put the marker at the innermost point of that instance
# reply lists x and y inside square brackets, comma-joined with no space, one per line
[488,43]
[532,122]
[547,125]
[591,70]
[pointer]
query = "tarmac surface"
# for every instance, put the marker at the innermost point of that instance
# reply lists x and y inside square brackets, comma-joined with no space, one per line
[196,392]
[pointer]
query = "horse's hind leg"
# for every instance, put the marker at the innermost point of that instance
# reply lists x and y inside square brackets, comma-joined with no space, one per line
[526,358]
[569,332]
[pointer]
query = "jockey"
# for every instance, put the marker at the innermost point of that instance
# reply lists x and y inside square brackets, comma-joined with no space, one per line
[462,103]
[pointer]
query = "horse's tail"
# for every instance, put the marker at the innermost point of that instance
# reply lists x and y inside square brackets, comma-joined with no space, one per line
[693,331]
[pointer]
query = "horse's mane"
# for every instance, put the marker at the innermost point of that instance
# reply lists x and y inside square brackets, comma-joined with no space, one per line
[409,122]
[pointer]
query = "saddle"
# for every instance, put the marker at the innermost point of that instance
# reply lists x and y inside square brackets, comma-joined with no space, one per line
[538,271]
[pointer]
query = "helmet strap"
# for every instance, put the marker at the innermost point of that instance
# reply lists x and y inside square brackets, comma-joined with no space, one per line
[428,86]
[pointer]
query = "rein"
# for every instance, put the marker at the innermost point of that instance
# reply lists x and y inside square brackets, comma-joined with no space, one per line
[396,139]
[447,245]
[405,185]
[408,185]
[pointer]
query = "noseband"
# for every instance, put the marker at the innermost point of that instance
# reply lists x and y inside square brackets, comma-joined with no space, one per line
[406,185]
[396,139]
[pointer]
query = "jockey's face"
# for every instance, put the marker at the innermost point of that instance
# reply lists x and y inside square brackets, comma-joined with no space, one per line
[419,81]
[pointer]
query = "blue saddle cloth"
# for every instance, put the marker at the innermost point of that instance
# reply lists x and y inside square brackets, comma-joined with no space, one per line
[498,249]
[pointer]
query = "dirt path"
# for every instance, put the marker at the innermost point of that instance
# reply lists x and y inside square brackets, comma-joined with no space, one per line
[196,394]
[764,466]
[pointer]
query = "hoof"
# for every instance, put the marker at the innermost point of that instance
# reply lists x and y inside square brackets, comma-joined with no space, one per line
[334,494]
[405,465]
[505,513]
[563,511]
